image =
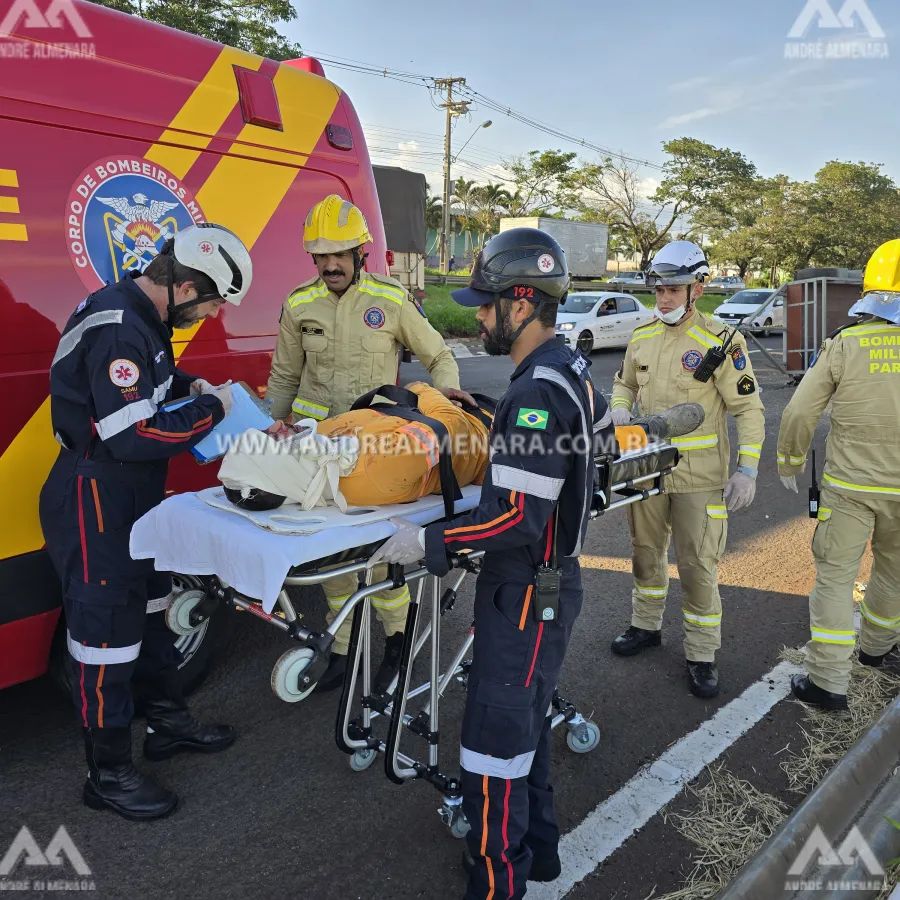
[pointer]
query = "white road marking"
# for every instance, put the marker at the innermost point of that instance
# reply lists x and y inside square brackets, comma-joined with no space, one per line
[605,829]
[460,351]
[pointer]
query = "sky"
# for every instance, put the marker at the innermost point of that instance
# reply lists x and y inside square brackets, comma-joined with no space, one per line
[624,76]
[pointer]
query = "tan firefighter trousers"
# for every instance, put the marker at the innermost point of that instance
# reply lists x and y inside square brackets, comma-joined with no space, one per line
[389,606]
[699,523]
[846,521]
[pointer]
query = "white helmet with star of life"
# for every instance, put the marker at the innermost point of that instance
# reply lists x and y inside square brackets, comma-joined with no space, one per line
[680,262]
[218,253]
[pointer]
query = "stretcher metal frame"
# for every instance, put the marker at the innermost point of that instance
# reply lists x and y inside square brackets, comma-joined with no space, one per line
[297,672]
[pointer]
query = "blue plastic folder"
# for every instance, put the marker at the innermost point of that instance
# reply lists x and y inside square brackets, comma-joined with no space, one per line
[245,413]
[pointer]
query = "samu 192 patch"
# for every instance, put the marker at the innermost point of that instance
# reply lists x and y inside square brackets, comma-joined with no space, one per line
[739,359]
[746,386]
[123,373]
[533,418]
[691,360]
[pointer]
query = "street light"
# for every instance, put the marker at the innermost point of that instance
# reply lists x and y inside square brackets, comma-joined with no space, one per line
[445,230]
[486,124]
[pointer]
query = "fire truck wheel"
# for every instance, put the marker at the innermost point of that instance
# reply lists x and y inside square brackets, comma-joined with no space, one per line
[200,649]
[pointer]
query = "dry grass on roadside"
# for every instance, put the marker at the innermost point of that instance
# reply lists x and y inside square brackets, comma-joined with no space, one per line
[828,735]
[730,822]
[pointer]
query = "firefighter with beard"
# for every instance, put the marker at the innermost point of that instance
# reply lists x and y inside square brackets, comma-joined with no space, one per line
[531,523]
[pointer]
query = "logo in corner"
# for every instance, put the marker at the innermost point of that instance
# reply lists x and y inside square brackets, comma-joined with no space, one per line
[373,317]
[60,845]
[57,10]
[119,214]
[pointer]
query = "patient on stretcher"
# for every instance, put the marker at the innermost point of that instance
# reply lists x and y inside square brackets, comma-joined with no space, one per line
[368,457]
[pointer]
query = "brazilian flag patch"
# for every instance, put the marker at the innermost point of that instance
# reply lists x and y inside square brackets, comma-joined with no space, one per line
[533,418]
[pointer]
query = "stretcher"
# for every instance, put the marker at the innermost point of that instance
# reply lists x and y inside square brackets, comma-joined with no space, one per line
[250,566]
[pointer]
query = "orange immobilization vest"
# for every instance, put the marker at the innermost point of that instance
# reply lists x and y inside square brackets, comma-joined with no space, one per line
[398,459]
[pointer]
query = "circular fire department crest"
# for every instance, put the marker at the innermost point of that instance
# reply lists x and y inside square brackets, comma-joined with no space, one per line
[691,360]
[374,317]
[119,213]
[123,373]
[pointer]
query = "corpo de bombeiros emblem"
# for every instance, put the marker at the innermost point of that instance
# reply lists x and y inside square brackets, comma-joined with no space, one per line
[119,213]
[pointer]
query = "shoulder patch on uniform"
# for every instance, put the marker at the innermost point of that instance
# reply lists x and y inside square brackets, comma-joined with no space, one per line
[532,418]
[83,304]
[123,373]
[739,358]
[579,363]
[746,386]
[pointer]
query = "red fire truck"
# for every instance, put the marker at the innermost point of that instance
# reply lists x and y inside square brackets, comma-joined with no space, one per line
[115,133]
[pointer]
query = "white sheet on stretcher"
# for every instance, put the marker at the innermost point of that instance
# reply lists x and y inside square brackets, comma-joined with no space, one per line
[184,534]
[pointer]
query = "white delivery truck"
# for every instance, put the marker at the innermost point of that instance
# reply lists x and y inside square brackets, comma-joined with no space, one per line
[586,244]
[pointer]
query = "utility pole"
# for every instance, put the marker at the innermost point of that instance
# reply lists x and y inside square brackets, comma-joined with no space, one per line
[454,108]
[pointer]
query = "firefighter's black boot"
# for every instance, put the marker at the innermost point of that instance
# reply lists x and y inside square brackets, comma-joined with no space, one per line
[703,678]
[114,783]
[805,690]
[334,674]
[874,662]
[635,639]
[171,728]
[393,648]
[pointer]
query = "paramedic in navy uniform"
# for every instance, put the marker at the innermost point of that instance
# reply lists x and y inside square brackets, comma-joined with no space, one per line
[112,372]
[542,470]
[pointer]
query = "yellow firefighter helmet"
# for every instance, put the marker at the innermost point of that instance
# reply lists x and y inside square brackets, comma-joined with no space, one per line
[883,270]
[333,225]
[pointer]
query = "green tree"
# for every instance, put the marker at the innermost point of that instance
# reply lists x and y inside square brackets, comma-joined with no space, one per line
[434,210]
[490,199]
[543,182]
[245,24]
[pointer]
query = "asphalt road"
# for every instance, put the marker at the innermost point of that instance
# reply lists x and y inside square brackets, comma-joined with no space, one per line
[281,814]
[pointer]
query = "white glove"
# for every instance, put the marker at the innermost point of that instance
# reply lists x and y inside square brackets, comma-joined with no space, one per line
[621,416]
[790,482]
[200,386]
[404,547]
[223,392]
[740,491]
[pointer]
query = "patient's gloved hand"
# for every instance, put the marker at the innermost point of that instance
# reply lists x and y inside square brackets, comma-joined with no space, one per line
[404,547]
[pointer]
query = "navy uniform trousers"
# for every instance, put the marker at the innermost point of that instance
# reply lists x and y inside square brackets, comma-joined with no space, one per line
[516,665]
[113,604]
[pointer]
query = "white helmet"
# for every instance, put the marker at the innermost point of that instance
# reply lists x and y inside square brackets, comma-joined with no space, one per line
[219,253]
[681,262]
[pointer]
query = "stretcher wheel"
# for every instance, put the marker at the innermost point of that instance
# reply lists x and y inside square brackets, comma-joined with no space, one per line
[583,738]
[178,614]
[286,674]
[362,759]
[459,826]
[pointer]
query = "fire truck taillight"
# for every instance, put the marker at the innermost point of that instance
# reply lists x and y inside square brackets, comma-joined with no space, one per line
[339,137]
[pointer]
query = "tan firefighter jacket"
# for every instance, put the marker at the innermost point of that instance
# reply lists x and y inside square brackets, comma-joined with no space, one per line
[859,371]
[658,372]
[332,350]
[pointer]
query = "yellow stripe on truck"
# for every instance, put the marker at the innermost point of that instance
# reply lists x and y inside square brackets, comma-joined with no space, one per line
[203,114]
[241,194]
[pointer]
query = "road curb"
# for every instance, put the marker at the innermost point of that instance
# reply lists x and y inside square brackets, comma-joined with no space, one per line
[833,806]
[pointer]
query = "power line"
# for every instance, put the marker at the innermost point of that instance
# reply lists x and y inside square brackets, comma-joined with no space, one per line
[485,101]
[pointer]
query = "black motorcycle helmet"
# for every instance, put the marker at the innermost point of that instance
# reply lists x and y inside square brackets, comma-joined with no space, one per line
[518,264]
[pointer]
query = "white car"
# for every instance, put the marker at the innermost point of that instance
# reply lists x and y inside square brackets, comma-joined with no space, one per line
[593,321]
[745,303]
[629,278]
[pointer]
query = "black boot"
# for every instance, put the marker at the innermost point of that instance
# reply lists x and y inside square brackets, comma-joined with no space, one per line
[393,647]
[805,690]
[703,678]
[334,674]
[114,783]
[875,662]
[634,639]
[543,870]
[171,728]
